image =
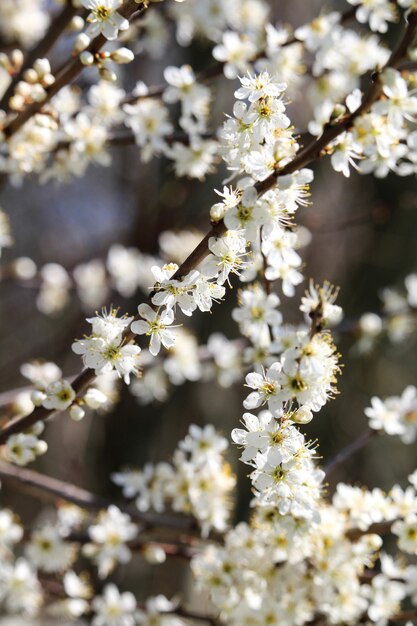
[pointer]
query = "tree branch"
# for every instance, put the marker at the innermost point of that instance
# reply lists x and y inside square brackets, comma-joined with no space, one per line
[349,450]
[68,73]
[59,489]
[304,157]
[56,28]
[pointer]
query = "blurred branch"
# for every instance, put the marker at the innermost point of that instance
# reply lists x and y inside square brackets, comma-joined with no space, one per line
[87,500]
[68,73]
[349,450]
[379,528]
[56,28]
[128,139]
[405,616]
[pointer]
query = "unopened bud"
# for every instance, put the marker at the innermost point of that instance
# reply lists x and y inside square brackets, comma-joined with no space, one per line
[81,43]
[303,415]
[338,111]
[4,62]
[48,80]
[94,398]
[76,24]
[24,268]
[41,447]
[17,58]
[37,397]
[217,212]
[17,103]
[42,67]
[76,412]
[38,93]
[87,58]
[122,55]
[23,89]
[154,554]
[107,74]
[370,324]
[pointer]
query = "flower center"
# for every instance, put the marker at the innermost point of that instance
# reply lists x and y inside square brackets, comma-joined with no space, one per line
[102,13]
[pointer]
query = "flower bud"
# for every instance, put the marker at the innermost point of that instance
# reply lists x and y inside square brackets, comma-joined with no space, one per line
[338,111]
[87,58]
[48,80]
[370,324]
[107,74]
[4,62]
[76,412]
[94,398]
[81,43]
[154,554]
[17,103]
[37,429]
[42,67]
[303,415]
[37,397]
[24,268]
[38,93]
[217,212]
[17,58]
[76,24]
[122,55]
[23,89]
[41,447]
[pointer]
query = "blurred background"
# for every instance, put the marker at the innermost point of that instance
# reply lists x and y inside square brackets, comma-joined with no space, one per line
[363,239]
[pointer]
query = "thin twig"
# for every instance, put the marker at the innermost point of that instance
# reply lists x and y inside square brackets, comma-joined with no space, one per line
[349,450]
[87,500]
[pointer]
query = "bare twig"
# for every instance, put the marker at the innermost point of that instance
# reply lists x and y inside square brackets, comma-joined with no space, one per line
[349,450]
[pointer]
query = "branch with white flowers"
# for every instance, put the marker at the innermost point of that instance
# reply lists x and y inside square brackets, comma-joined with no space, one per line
[67,74]
[60,490]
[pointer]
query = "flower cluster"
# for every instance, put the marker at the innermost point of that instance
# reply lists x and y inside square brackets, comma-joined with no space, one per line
[304,556]
[298,568]
[396,415]
[105,349]
[198,482]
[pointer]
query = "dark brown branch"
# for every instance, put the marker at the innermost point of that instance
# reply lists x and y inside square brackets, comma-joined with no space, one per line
[404,616]
[193,615]
[305,157]
[349,450]
[68,73]
[379,528]
[56,28]
[172,549]
[59,489]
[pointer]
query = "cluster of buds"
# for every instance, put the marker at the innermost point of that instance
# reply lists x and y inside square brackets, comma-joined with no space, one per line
[33,86]
[11,62]
[101,60]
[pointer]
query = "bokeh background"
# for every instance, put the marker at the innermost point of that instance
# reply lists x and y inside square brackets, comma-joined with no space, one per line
[363,239]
